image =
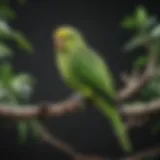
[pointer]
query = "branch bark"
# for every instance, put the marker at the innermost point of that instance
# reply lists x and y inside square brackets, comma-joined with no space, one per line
[34,111]
[59,109]
[140,109]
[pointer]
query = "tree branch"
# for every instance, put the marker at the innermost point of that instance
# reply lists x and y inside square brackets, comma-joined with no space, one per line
[33,111]
[55,142]
[140,109]
[137,81]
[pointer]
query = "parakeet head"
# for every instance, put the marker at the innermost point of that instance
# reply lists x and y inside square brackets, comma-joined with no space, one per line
[66,37]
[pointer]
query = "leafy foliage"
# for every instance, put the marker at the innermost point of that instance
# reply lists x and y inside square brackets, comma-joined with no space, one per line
[147,34]
[7,13]
[15,88]
[152,90]
[138,20]
[146,28]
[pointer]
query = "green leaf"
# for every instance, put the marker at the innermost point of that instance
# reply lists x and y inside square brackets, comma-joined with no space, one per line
[128,23]
[141,16]
[139,20]
[26,127]
[22,41]
[134,43]
[34,126]
[5,30]
[22,131]
[17,36]
[6,96]
[22,85]
[155,33]
[7,13]
[152,90]
[3,92]
[6,74]
[140,62]
[5,51]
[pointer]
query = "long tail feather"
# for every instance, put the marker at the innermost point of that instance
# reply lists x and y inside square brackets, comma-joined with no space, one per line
[117,123]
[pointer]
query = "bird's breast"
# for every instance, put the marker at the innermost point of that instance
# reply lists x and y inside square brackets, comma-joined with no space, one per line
[63,66]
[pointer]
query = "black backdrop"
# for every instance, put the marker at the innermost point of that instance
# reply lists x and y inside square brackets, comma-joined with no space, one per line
[99,21]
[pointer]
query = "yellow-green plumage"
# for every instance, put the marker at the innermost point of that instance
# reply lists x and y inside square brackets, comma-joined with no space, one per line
[85,71]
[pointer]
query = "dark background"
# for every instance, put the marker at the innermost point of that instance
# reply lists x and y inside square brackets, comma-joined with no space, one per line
[88,132]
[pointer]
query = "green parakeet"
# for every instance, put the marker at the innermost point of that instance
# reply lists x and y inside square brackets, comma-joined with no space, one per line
[85,71]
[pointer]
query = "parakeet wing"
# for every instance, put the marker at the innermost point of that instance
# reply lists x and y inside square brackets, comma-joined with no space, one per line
[88,68]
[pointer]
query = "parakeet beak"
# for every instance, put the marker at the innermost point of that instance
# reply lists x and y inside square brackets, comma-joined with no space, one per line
[58,43]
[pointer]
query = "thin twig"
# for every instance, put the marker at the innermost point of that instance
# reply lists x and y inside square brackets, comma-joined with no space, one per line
[49,138]
[151,152]
[55,142]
